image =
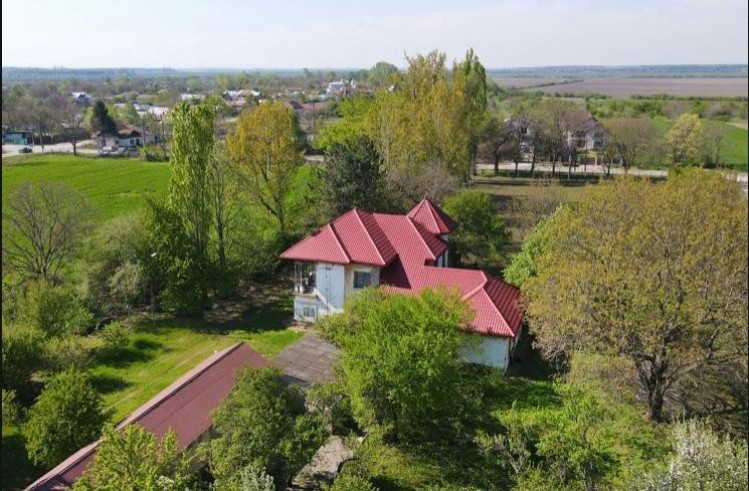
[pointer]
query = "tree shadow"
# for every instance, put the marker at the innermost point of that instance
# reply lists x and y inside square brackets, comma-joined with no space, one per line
[141,350]
[18,471]
[105,384]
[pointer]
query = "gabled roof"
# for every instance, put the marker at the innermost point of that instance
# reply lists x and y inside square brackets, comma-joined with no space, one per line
[184,406]
[354,237]
[432,218]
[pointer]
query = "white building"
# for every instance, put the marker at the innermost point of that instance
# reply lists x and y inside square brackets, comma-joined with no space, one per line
[404,254]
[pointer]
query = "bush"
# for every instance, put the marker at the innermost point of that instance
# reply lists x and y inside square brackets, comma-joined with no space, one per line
[54,309]
[23,355]
[702,460]
[115,336]
[67,352]
[67,415]
[115,279]
[352,482]
[11,408]
[154,153]
[262,423]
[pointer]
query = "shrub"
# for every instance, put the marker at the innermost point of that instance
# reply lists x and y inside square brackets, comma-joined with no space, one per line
[115,336]
[54,309]
[67,352]
[352,482]
[23,355]
[11,408]
[67,415]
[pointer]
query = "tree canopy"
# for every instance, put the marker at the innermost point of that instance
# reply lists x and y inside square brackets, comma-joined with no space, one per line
[656,273]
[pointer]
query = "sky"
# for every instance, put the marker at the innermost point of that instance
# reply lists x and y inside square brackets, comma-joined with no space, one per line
[340,34]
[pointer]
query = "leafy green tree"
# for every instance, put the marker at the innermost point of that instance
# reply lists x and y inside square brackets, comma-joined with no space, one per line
[55,310]
[655,273]
[67,415]
[701,460]
[11,408]
[132,459]
[481,234]
[353,177]
[381,73]
[247,479]
[260,424]
[684,139]
[224,195]
[100,120]
[631,138]
[23,355]
[400,360]
[267,147]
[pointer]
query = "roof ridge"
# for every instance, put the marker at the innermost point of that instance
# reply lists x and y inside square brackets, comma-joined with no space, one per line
[432,212]
[501,314]
[338,241]
[413,224]
[219,356]
[369,236]
[477,288]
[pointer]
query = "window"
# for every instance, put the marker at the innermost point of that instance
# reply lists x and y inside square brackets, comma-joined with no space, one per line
[362,279]
[304,277]
[309,312]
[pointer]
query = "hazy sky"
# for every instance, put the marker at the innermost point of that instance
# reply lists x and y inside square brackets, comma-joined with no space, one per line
[337,34]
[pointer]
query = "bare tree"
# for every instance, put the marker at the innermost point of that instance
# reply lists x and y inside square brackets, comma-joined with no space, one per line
[494,139]
[632,138]
[43,227]
[70,115]
[222,182]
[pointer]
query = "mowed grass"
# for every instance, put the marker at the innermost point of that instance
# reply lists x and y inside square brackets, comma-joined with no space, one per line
[113,186]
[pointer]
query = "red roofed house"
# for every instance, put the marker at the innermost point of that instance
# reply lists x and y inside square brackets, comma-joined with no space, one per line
[405,253]
[185,406]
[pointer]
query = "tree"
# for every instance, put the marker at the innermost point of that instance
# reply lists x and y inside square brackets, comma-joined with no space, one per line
[223,191]
[55,310]
[23,355]
[70,116]
[701,460]
[481,234]
[247,479]
[656,273]
[523,264]
[400,360]
[381,74]
[555,121]
[260,424]
[267,148]
[684,138]
[100,120]
[631,139]
[132,459]
[67,415]
[714,144]
[496,136]
[353,176]
[43,228]
[470,78]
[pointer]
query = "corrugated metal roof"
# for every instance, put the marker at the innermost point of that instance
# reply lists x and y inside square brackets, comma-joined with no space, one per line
[432,218]
[184,406]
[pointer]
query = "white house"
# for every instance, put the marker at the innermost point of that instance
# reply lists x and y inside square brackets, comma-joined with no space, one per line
[81,97]
[405,254]
[589,135]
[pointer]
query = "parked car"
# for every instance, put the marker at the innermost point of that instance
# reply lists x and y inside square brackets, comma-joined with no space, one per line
[25,149]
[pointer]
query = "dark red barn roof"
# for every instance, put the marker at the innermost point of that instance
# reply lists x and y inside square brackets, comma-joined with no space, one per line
[184,406]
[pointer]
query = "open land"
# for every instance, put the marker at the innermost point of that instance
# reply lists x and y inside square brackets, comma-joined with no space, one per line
[627,87]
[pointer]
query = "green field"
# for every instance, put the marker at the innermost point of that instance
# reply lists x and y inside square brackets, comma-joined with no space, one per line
[113,186]
[736,152]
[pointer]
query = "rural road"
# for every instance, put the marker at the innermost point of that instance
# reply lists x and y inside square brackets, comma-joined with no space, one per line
[11,150]
[741,177]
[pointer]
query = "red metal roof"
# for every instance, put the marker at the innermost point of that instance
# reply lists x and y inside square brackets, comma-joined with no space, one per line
[432,218]
[404,245]
[184,406]
[354,237]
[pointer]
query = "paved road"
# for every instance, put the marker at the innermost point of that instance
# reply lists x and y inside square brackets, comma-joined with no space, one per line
[11,150]
[593,170]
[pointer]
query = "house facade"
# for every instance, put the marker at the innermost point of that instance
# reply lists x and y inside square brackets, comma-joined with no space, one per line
[405,254]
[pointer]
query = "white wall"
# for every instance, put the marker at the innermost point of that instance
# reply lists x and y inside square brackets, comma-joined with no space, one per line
[329,286]
[485,350]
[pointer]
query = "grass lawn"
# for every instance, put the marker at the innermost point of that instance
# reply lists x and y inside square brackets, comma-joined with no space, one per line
[113,186]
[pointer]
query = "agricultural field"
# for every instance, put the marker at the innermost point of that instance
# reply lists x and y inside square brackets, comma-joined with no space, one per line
[113,187]
[678,87]
[528,82]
